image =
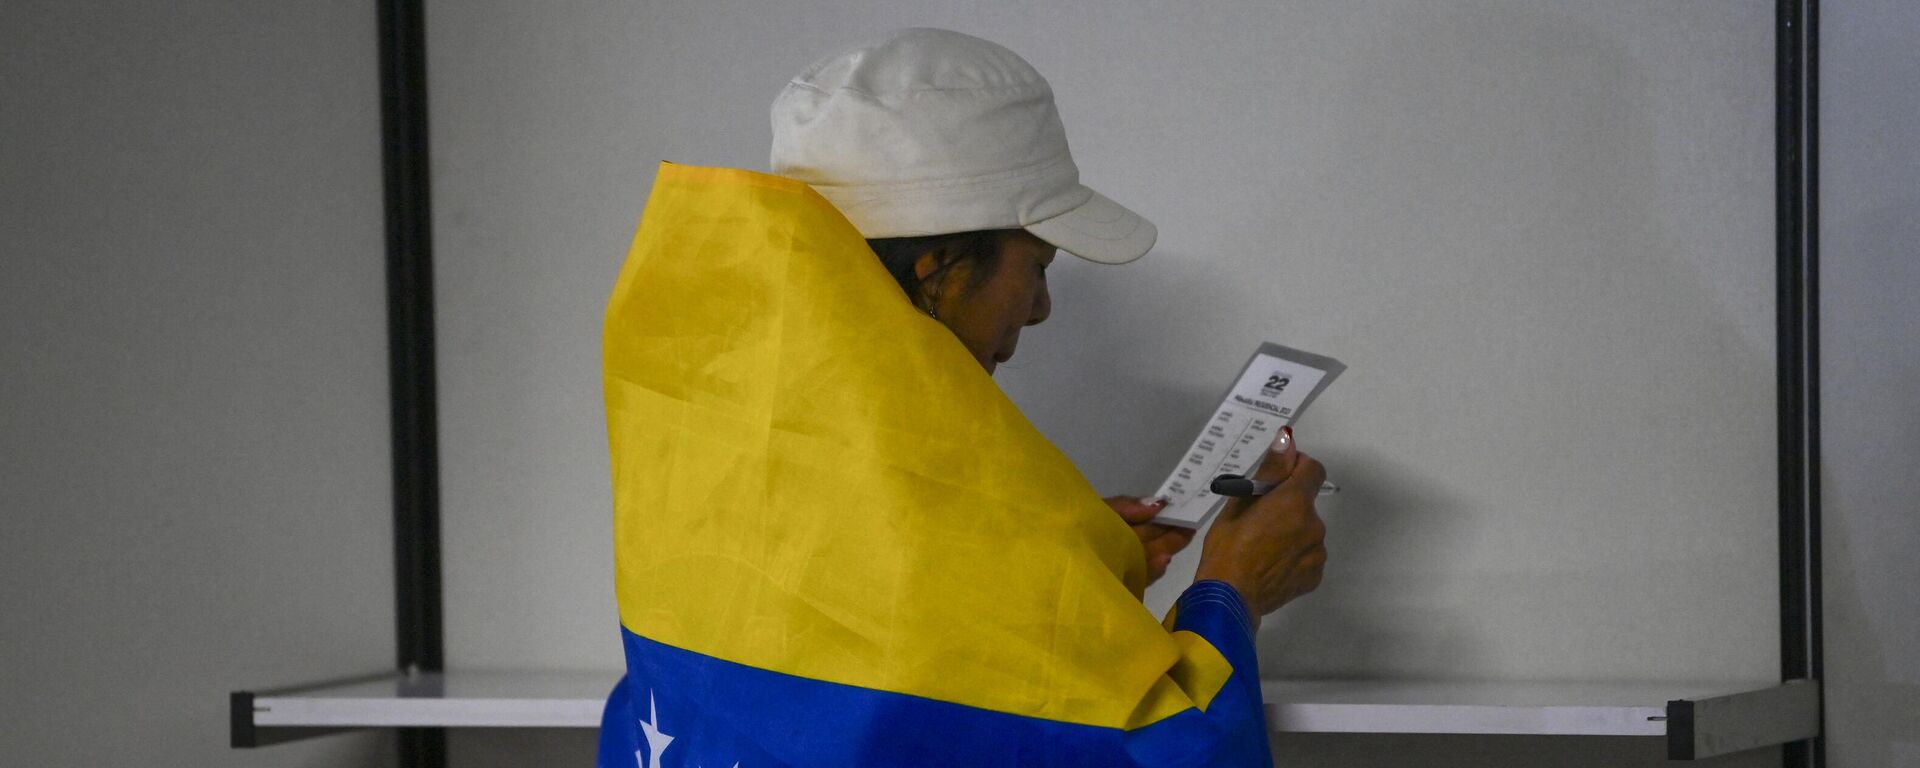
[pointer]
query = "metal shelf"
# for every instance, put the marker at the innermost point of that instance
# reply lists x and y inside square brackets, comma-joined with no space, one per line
[1697,719]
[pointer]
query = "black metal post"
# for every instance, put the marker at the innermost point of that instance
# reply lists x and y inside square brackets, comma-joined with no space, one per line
[1796,142]
[416,482]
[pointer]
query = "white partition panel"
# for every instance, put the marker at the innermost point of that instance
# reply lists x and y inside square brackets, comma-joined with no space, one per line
[1540,235]
[1870,378]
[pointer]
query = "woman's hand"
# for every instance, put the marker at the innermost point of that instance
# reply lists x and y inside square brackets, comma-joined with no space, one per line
[1271,548]
[1160,541]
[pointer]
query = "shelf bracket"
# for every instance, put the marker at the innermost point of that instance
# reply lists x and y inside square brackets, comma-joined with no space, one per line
[244,733]
[1709,727]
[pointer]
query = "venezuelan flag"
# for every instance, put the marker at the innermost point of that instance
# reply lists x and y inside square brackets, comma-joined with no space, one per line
[839,544]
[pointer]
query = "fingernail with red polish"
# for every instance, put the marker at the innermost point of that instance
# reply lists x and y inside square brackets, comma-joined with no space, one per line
[1157,501]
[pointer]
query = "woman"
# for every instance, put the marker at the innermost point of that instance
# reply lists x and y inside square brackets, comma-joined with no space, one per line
[837,542]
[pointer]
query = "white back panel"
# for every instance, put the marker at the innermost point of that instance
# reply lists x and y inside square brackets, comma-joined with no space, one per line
[1539,233]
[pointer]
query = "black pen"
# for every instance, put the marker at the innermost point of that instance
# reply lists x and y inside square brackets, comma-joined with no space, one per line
[1241,485]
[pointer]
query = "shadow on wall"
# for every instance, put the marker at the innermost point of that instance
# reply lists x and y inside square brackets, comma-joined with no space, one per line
[1385,513]
[1492,240]
[1394,532]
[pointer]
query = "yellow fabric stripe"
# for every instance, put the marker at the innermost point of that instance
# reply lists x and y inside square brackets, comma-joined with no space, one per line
[812,477]
[1202,671]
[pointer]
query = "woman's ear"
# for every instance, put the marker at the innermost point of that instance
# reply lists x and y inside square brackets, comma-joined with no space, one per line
[930,272]
[926,264]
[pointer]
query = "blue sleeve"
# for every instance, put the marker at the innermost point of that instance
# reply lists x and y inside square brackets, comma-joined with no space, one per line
[1232,731]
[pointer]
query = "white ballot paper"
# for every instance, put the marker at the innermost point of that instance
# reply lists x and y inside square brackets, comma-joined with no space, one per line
[1272,391]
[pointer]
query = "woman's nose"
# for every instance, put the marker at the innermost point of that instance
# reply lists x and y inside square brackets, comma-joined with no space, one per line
[1042,306]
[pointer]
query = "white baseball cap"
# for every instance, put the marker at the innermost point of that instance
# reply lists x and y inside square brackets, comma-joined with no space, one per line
[932,132]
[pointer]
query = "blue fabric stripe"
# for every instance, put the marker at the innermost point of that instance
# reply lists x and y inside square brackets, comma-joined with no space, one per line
[1220,593]
[719,714]
[1214,610]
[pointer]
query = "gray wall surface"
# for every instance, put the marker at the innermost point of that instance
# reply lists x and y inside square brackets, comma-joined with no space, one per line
[1551,199]
[1540,233]
[194,491]
[1870,378]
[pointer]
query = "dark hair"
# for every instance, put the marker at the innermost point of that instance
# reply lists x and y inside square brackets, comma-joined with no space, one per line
[979,250]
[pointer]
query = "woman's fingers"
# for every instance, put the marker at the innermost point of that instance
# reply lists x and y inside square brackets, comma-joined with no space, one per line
[1163,539]
[1307,475]
[1157,567]
[1135,510]
[1160,542]
[1282,456]
[1273,547]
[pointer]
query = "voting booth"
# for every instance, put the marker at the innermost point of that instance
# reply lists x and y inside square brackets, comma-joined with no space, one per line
[1559,252]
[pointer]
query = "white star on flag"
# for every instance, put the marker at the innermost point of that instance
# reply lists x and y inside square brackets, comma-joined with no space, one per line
[656,741]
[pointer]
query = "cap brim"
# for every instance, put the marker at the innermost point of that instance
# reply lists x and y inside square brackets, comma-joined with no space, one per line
[1099,230]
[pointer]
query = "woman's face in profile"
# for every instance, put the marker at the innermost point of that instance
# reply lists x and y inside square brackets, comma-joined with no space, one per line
[988,319]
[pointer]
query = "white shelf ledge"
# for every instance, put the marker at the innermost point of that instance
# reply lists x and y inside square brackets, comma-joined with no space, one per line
[1698,719]
[1334,706]
[461,699]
